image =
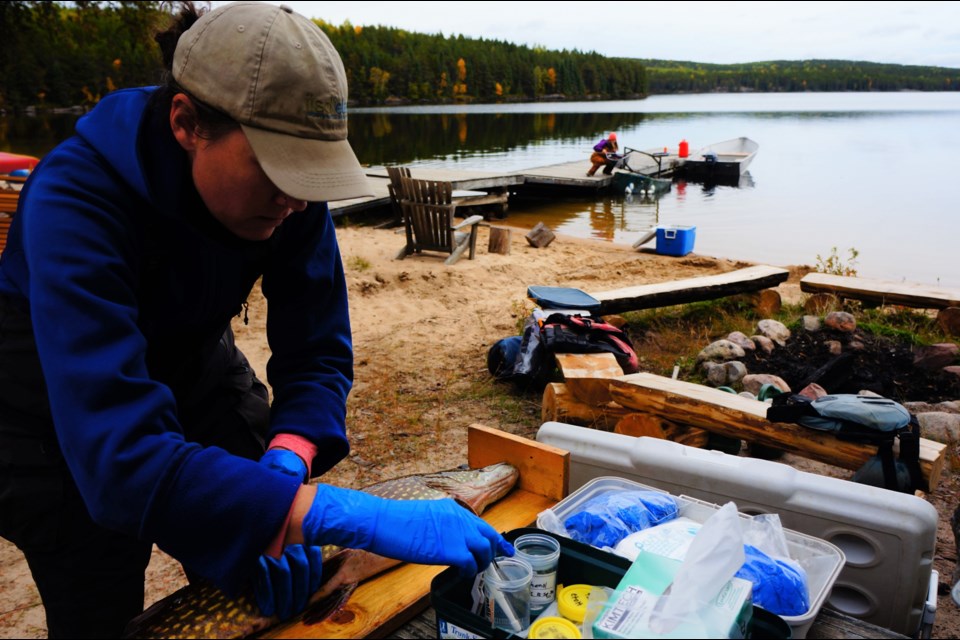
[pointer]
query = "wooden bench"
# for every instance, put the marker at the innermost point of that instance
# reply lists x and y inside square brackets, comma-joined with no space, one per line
[738,417]
[881,291]
[664,294]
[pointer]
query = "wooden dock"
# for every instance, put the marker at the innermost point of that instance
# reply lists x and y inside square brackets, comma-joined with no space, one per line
[566,177]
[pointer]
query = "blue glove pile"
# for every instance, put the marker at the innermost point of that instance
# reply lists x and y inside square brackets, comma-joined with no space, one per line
[605,520]
[779,587]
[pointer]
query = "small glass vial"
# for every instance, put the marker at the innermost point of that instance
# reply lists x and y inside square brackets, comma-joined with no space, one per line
[543,554]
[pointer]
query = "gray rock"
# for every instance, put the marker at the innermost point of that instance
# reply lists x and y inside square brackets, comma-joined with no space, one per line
[715,373]
[740,338]
[811,323]
[753,382]
[945,428]
[949,406]
[764,343]
[841,321]
[775,330]
[935,356]
[834,347]
[813,391]
[721,351]
[735,371]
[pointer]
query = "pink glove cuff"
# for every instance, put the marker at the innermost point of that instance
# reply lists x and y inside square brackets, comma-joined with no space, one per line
[275,548]
[298,444]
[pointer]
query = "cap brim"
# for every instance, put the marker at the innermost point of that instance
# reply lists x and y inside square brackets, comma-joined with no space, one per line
[309,169]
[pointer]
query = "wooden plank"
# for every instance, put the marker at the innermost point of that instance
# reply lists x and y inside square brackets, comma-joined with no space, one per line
[738,417]
[881,291]
[587,375]
[544,470]
[831,625]
[663,294]
[381,605]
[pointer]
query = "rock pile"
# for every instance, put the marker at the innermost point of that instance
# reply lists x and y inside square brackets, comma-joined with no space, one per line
[745,364]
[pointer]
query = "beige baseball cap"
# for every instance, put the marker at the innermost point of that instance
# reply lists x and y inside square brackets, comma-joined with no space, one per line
[278,75]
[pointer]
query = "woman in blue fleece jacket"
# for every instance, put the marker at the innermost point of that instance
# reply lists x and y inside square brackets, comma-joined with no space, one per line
[127,415]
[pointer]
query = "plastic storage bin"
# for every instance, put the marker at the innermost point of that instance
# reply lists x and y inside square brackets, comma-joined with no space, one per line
[888,538]
[822,559]
[675,240]
[579,564]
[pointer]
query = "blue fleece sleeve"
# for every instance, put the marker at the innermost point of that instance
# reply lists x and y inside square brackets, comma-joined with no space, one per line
[308,327]
[117,427]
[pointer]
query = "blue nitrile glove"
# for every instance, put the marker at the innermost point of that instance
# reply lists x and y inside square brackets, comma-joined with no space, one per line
[285,584]
[285,461]
[421,531]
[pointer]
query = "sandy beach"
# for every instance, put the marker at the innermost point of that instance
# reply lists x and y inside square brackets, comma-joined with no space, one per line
[422,331]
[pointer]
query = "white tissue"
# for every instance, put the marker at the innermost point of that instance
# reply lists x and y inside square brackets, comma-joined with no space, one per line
[715,555]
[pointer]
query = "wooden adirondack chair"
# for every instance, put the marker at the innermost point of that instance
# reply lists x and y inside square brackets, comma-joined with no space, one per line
[428,215]
[9,197]
[396,174]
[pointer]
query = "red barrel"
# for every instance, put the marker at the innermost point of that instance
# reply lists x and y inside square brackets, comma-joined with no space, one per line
[684,149]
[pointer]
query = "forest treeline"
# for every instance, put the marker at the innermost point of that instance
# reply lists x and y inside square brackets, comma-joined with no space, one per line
[796,75]
[55,55]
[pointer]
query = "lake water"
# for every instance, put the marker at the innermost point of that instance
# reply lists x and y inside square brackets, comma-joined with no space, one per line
[872,172]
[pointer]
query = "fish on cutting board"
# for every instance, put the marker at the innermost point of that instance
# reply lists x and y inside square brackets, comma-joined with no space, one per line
[201,610]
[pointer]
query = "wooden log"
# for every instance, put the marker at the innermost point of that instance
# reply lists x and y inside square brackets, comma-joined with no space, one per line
[664,294]
[540,236]
[499,241]
[560,405]
[738,417]
[645,424]
[820,304]
[767,302]
[949,320]
[587,375]
[881,291]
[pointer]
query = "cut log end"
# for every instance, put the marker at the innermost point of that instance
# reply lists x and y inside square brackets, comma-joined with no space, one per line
[540,236]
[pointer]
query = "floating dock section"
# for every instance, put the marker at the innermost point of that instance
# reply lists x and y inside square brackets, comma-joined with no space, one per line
[568,178]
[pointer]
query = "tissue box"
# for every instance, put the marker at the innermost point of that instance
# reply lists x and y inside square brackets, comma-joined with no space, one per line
[627,614]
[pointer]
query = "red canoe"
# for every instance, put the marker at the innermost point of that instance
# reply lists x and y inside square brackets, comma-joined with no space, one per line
[12,161]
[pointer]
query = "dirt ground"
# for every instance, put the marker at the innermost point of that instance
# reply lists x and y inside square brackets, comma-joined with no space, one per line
[422,331]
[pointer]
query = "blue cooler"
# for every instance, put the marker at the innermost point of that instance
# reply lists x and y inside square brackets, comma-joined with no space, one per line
[675,240]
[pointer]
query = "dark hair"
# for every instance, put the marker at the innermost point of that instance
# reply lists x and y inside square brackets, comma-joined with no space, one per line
[210,123]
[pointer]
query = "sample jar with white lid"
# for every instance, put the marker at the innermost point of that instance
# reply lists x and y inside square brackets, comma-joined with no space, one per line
[542,552]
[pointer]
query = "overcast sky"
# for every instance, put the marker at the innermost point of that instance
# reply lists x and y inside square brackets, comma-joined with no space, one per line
[921,33]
